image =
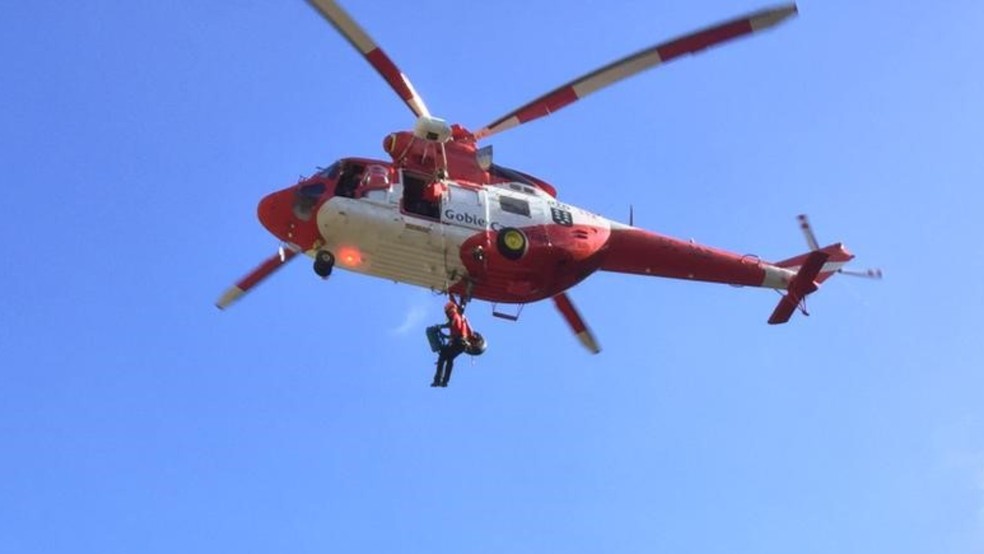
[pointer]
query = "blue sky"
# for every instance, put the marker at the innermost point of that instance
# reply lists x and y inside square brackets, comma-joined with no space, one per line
[137,138]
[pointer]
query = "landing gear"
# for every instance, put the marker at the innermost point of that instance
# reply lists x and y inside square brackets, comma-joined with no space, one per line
[324,261]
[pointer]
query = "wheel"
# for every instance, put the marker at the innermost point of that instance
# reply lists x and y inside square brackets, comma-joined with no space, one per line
[324,261]
[512,243]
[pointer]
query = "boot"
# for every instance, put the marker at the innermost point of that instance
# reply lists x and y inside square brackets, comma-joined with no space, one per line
[437,376]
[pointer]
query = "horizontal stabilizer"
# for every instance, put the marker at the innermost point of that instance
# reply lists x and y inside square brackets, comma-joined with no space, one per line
[801,285]
[837,257]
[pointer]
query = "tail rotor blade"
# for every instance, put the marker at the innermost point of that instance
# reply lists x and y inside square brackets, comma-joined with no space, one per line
[378,59]
[811,240]
[577,324]
[261,272]
[635,63]
[873,273]
[807,229]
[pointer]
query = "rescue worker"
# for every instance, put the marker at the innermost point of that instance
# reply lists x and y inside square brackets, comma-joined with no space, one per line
[431,199]
[461,334]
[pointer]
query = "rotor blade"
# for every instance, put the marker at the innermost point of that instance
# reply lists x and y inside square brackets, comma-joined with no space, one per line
[362,42]
[261,272]
[811,239]
[577,324]
[636,63]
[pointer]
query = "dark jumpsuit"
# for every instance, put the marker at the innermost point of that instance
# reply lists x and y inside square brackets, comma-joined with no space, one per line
[460,330]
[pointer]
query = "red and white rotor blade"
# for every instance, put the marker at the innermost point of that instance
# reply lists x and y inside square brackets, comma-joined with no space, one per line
[261,272]
[636,63]
[378,59]
[577,324]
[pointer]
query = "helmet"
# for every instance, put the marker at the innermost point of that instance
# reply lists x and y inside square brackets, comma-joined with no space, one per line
[476,345]
[450,307]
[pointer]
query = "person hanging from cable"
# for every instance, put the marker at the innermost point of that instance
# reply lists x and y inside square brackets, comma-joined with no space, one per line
[460,338]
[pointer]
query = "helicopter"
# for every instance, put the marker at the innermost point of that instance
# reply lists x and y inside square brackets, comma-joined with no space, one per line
[440,214]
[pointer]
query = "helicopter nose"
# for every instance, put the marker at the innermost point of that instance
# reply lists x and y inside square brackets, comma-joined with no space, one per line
[274,212]
[269,212]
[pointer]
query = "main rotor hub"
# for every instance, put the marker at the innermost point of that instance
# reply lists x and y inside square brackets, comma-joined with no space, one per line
[432,129]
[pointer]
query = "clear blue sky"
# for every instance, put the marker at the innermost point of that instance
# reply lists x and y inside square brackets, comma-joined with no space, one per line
[137,137]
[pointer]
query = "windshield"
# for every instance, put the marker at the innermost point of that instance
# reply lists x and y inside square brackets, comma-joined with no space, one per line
[331,171]
[305,198]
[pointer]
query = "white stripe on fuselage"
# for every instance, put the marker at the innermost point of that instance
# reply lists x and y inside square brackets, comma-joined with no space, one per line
[779,277]
[392,245]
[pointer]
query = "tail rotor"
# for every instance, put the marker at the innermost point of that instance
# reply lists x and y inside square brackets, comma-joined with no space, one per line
[811,241]
[812,269]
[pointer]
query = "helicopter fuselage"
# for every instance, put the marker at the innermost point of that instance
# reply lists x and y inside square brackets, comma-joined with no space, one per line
[387,221]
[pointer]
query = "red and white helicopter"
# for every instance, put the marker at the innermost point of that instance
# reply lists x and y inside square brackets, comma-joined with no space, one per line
[439,214]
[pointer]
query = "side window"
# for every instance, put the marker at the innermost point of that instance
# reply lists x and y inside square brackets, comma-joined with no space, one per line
[464,197]
[349,179]
[514,205]
[376,177]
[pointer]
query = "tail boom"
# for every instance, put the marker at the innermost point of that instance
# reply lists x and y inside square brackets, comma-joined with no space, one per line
[640,252]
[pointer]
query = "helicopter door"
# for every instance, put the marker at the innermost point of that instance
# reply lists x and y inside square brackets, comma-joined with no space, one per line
[417,199]
[464,213]
[465,207]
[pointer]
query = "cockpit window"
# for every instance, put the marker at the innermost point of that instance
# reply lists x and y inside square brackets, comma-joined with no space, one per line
[331,171]
[348,180]
[305,199]
[312,190]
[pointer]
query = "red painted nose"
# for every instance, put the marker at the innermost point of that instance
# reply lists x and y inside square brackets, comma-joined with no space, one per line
[279,212]
[272,215]
[276,213]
